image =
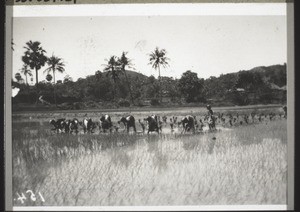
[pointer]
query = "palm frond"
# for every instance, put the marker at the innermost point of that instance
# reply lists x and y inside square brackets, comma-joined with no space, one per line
[47,70]
[60,69]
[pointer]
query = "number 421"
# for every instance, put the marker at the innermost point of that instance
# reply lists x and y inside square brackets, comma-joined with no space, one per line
[32,196]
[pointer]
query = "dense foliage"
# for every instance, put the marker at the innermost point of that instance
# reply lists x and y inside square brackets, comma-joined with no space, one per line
[116,86]
[245,87]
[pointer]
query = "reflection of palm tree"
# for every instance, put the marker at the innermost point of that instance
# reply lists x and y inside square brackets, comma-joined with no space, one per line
[55,64]
[111,70]
[123,62]
[158,58]
[26,71]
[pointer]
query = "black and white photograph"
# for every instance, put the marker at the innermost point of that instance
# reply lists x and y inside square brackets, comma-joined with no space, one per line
[149,108]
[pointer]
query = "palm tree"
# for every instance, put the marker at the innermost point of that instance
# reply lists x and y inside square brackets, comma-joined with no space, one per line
[34,57]
[26,71]
[111,69]
[124,61]
[158,58]
[55,64]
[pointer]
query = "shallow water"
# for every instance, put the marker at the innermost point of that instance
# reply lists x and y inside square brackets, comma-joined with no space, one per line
[227,166]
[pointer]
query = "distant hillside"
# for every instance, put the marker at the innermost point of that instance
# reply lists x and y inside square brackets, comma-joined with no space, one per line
[263,84]
[134,74]
[274,75]
[259,85]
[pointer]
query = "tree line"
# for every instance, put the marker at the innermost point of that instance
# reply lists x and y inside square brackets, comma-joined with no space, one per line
[117,84]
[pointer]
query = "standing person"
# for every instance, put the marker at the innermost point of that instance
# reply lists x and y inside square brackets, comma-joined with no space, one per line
[171,124]
[285,110]
[211,122]
[210,112]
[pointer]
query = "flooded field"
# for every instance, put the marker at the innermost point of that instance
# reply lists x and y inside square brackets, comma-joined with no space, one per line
[245,164]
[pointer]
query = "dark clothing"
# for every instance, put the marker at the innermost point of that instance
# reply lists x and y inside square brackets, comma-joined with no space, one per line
[285,111]
[211,122]
[210,112]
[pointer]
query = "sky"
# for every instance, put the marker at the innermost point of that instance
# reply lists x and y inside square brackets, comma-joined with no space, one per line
[207,45]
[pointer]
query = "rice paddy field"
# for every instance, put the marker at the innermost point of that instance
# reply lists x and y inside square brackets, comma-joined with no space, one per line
[241,164]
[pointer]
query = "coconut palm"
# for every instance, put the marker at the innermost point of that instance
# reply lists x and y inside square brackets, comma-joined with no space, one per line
[111,69]
[55,64]
[157,59]
[124,61]
[26,71]
[34,57]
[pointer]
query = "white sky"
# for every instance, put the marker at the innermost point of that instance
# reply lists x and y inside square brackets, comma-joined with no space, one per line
[208,45]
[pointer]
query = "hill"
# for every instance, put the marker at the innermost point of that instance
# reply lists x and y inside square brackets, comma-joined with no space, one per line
[133,74]
[259,85]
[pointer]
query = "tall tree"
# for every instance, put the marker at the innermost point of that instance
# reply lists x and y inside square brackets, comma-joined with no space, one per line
[34,57]
[111,69]
[55,64]
[157,59]
[124,62]
[26,71]
[191,86]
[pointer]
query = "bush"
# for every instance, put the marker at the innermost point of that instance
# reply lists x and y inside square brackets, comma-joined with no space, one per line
[78,105]
[123,103]
[91,104]
[154,102]
[139,103]
[65,106]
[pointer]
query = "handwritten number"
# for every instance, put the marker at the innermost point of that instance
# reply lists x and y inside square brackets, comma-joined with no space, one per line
[32,196]
[42,198]
[21,198]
